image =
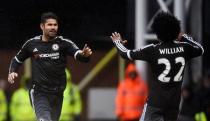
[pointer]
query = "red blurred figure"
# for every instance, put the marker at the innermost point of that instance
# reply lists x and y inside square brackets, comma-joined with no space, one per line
[131,95]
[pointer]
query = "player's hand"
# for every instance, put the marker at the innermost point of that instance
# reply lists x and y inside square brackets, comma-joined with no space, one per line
[86,51]
[180,36]
[11,77]
[116,36]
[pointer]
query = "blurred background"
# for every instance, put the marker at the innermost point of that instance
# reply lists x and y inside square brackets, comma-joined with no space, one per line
[92,22]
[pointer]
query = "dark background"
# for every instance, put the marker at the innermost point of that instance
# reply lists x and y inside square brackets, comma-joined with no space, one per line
[86,21]
[83,21]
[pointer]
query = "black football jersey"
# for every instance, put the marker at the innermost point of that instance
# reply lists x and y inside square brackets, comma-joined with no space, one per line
[48,61]
[167,61]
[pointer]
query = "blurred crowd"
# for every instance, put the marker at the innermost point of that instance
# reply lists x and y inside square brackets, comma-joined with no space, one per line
[18,106]
[196,100]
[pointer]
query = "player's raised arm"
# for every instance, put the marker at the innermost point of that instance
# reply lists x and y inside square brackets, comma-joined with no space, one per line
[197,48]
[116,36]
[118,41]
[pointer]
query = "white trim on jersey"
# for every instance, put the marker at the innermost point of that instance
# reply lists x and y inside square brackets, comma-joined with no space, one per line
[129,55]
[18,60]
[32,97]
[36,37]
[67,40]
[191,40]
[147,46]
[10,67]
[143,113]
[77,52]
[120,46]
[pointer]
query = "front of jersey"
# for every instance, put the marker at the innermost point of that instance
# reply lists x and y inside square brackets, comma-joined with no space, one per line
[48,62]
[167,61]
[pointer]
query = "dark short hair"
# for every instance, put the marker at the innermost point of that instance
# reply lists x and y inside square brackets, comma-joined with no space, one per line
[48,15]
[166,26]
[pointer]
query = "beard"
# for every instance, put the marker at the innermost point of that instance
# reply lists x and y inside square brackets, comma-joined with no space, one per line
[51,34]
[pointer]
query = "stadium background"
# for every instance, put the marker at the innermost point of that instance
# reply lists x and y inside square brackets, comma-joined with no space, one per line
[85,21]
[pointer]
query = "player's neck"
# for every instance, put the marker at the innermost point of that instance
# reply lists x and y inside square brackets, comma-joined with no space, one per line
[46,38]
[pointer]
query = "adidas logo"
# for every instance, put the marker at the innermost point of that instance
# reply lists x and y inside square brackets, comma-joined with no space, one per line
[35,50]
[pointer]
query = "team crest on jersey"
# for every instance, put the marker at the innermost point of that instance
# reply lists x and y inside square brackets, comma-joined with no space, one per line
[55,47]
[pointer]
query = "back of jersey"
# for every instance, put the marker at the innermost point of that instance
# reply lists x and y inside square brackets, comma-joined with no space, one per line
[168,61]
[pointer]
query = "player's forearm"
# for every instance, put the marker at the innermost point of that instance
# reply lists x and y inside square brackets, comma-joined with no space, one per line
[123,51]
[190,40]
[14,65]
[82,58]
[78,56]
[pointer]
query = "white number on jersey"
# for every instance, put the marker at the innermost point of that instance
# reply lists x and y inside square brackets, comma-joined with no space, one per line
[178,77]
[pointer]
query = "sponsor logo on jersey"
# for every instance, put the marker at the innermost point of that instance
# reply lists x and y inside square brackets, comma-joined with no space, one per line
[55,47]
[50,55]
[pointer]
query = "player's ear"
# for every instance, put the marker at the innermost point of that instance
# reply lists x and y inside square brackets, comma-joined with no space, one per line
[42,26]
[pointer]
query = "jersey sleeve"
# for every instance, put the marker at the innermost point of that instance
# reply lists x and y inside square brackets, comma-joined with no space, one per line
[73,50]
[20,57]
[138,54]
[194,48]
[144,53]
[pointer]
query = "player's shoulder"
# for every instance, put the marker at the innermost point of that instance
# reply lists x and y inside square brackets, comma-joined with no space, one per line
[66,41]
[62,39]
[150,46]
[182,43]
[35,38]
[32,40]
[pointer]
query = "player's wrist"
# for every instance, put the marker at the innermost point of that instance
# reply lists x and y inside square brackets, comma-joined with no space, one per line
[117,40]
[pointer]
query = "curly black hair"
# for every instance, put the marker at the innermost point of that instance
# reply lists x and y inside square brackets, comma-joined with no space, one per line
[166,26]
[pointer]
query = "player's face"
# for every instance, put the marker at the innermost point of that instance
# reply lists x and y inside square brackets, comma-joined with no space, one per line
[50,28]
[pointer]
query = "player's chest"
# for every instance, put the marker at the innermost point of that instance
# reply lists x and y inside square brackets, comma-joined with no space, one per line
[46,51]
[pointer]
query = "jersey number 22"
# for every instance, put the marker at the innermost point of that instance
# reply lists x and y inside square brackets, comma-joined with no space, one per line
[163,76]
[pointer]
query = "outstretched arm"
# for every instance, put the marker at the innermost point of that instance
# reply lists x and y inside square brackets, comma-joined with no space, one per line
[136,54]
[118,41]
[81,55]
